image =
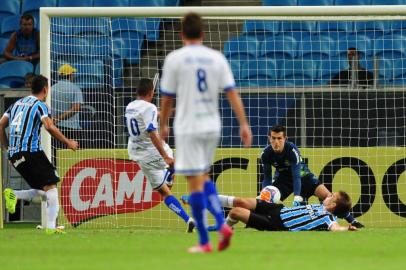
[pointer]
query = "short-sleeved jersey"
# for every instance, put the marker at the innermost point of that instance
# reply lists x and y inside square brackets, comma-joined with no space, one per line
[311,217]
[64,95]
[195,74]
[141,118]
[25,124]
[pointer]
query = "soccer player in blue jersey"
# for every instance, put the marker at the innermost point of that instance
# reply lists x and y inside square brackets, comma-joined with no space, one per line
[25,119]
[291,173]
[266,216]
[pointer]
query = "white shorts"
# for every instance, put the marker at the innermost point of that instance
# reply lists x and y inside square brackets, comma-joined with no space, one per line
[195,152]
[153,166]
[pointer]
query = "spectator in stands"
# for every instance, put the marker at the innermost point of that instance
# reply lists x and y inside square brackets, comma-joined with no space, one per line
[28,79]
[24,43]
[362,77]
[66,101]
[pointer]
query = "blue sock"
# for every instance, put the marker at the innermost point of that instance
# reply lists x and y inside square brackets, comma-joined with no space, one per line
[349,218]
[175,206]
[197,202]
[213,203]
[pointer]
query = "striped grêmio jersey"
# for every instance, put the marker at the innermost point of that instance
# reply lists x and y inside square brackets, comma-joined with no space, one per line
[25,124]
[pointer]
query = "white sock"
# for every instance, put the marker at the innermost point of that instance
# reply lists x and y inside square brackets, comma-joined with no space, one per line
[29,194]
[226,201]
[52,207]
[231,222]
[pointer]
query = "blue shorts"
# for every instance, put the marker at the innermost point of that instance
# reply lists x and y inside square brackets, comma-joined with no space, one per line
[285,186]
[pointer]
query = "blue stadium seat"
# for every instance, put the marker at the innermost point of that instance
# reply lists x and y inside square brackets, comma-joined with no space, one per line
[133,42]
[12,72]
[241,48]
[300,72]
[335,26]
[399,72]
[4,86]
[298,26]
[317,48]
[10,25]
[3,45]
[90,74]
[279,48]
[91,26]
[70,49]
[315,3]
[261,72]
[279,3]
[352,2]
[9,7]
[37,69]
[388,2]
[111,3]
[373,29]
[75,3]
[331,67]
[153,3]
[361,42]
[29,7]
[390,47]
[385,71]
[128,24]
[261,29]
[236,69]
[62,26]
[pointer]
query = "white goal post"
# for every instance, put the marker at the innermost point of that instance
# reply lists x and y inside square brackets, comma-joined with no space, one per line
[350,136]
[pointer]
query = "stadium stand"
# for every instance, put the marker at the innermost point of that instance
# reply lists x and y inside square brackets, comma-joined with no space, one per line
[352,2]
[3,44]
[9,25]
[281,47]
[111,3]
[279,3]
[261,29]
[75,3]
[315,2]
[12,73]
[260,73]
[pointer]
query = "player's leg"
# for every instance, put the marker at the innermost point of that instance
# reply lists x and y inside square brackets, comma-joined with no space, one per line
[239,214]
[231,201]
[29,194]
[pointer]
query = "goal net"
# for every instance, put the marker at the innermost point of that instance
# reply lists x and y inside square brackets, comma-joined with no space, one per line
[334,76]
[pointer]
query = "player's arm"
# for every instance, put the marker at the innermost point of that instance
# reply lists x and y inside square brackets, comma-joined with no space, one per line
[157,142]
[8,51]
[57,134]
[166,108]
[296,178]
[267,169]
[75,108]
[238,108]
[335,227]
[3,136]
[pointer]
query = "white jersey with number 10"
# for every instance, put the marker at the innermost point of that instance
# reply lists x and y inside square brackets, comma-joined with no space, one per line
[195,74]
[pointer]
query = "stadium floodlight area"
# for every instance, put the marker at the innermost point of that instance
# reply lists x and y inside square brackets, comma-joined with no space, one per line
[350,130]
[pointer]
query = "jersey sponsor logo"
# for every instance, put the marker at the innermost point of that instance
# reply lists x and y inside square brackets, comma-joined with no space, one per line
[91,189]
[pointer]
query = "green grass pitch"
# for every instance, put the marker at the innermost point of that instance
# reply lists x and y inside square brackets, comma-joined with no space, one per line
[23,247]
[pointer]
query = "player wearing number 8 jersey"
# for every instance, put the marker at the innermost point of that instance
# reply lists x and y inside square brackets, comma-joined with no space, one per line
[195,75]
[146,147]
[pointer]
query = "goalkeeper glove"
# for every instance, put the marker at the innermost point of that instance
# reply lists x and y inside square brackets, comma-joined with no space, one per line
[298,200]
[357,224]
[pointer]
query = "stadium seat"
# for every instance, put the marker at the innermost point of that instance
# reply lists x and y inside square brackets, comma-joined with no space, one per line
[29,7]
[315,2]
[133,41]
[90,74]
[388,2]
[300,72]
[12,73]
[261,29]
[390,47]
[331,67]
[352,2]
[236,69]
[261,72]
[37,69]
[9,7]
[317,48]
[62,26]
[10,25]
[128,24]
[279,3]
[75,3]
[399,72]
[70,48]
[111,3]
[3,45]
[279,48]
[373,29]
[91,26]
[241,48]
[361,42]
[386,72]
[4,86]
[153,3]
[335,26]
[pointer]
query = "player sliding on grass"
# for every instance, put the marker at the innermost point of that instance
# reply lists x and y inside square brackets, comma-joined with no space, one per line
[25,118]
[266,216]
[291,173]
[195,75]
[146,148]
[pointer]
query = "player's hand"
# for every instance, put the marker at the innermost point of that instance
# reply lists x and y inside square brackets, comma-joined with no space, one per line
[246,135]
[352,228]
[164,132]
[74,145]
[357,224]
[298,200]
[170,161]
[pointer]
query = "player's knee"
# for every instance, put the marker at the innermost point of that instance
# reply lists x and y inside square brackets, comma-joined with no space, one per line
[235,213]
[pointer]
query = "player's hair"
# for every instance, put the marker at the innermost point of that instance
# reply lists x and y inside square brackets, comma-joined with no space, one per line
[145,86]
[27,17]
[277,129]
[192,26]
[343,204]
[38,83]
